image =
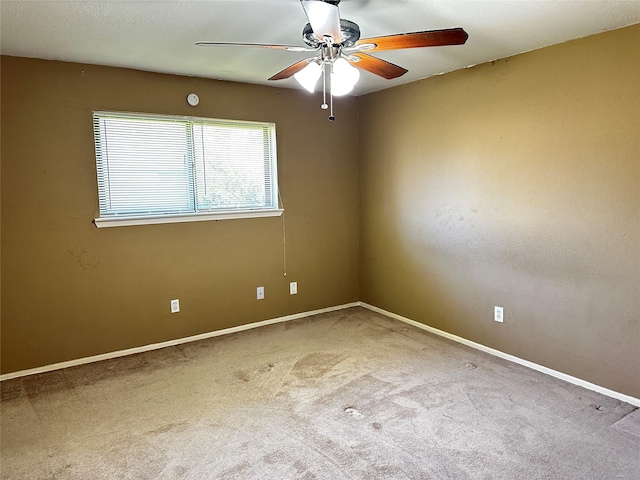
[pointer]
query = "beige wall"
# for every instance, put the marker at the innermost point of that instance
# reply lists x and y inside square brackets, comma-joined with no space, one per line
[70,290]
[516,184]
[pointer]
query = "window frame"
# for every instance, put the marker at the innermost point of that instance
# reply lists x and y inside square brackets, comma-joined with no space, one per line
[115,220]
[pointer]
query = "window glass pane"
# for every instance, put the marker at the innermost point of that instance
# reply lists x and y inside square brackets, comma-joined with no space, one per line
[230,167]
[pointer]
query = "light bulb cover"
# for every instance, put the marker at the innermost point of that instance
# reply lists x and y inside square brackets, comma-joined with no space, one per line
[343,77]
[308,76]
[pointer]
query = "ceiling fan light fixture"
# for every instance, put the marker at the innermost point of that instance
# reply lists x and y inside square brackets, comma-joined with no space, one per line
[308,76]
[343,77]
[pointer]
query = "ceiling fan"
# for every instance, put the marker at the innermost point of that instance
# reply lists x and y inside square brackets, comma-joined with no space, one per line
[338,48]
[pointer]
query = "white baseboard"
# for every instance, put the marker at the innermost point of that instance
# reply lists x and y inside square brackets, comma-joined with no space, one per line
[554,373]
[169,343]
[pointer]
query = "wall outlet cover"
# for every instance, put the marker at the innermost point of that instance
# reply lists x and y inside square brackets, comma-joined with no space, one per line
[175,305]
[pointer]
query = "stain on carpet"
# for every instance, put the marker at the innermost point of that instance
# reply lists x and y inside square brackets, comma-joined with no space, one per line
[244,376]
[316,365]
[44,384]
[170,427]
[11,389]
[629,424]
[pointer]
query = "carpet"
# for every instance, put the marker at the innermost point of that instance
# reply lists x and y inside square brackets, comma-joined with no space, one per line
[349,394]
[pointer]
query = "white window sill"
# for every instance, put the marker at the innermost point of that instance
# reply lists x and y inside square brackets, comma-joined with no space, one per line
[191,217]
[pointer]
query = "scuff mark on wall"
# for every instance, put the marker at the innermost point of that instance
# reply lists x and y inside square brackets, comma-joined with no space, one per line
[86,260]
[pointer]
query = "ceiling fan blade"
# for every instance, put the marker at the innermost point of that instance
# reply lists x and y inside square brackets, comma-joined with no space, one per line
[378,66]
[290,70]
[431,38]
[291,48]
[324,18]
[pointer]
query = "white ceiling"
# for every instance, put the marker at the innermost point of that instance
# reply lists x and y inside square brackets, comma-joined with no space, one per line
[159,35]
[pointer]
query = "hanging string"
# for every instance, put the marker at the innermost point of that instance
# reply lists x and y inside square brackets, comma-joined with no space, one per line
[284,238]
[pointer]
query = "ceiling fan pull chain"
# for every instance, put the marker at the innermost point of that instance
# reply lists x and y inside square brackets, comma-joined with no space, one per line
[324,105]
[331,117]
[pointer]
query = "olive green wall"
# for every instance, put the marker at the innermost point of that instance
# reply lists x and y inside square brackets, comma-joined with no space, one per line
[70,290]
[515,184]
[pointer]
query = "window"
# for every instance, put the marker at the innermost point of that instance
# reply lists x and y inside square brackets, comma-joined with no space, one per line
[159,169]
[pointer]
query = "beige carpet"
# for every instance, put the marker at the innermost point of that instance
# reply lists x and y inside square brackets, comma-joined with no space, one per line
[345,395]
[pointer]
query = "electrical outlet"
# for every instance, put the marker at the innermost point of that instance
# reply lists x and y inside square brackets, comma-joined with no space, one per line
[260,293]
[293,288]
[498,314]
[175,305]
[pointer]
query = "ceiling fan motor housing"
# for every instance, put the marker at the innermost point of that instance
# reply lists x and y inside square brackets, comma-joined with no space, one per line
[349,31]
